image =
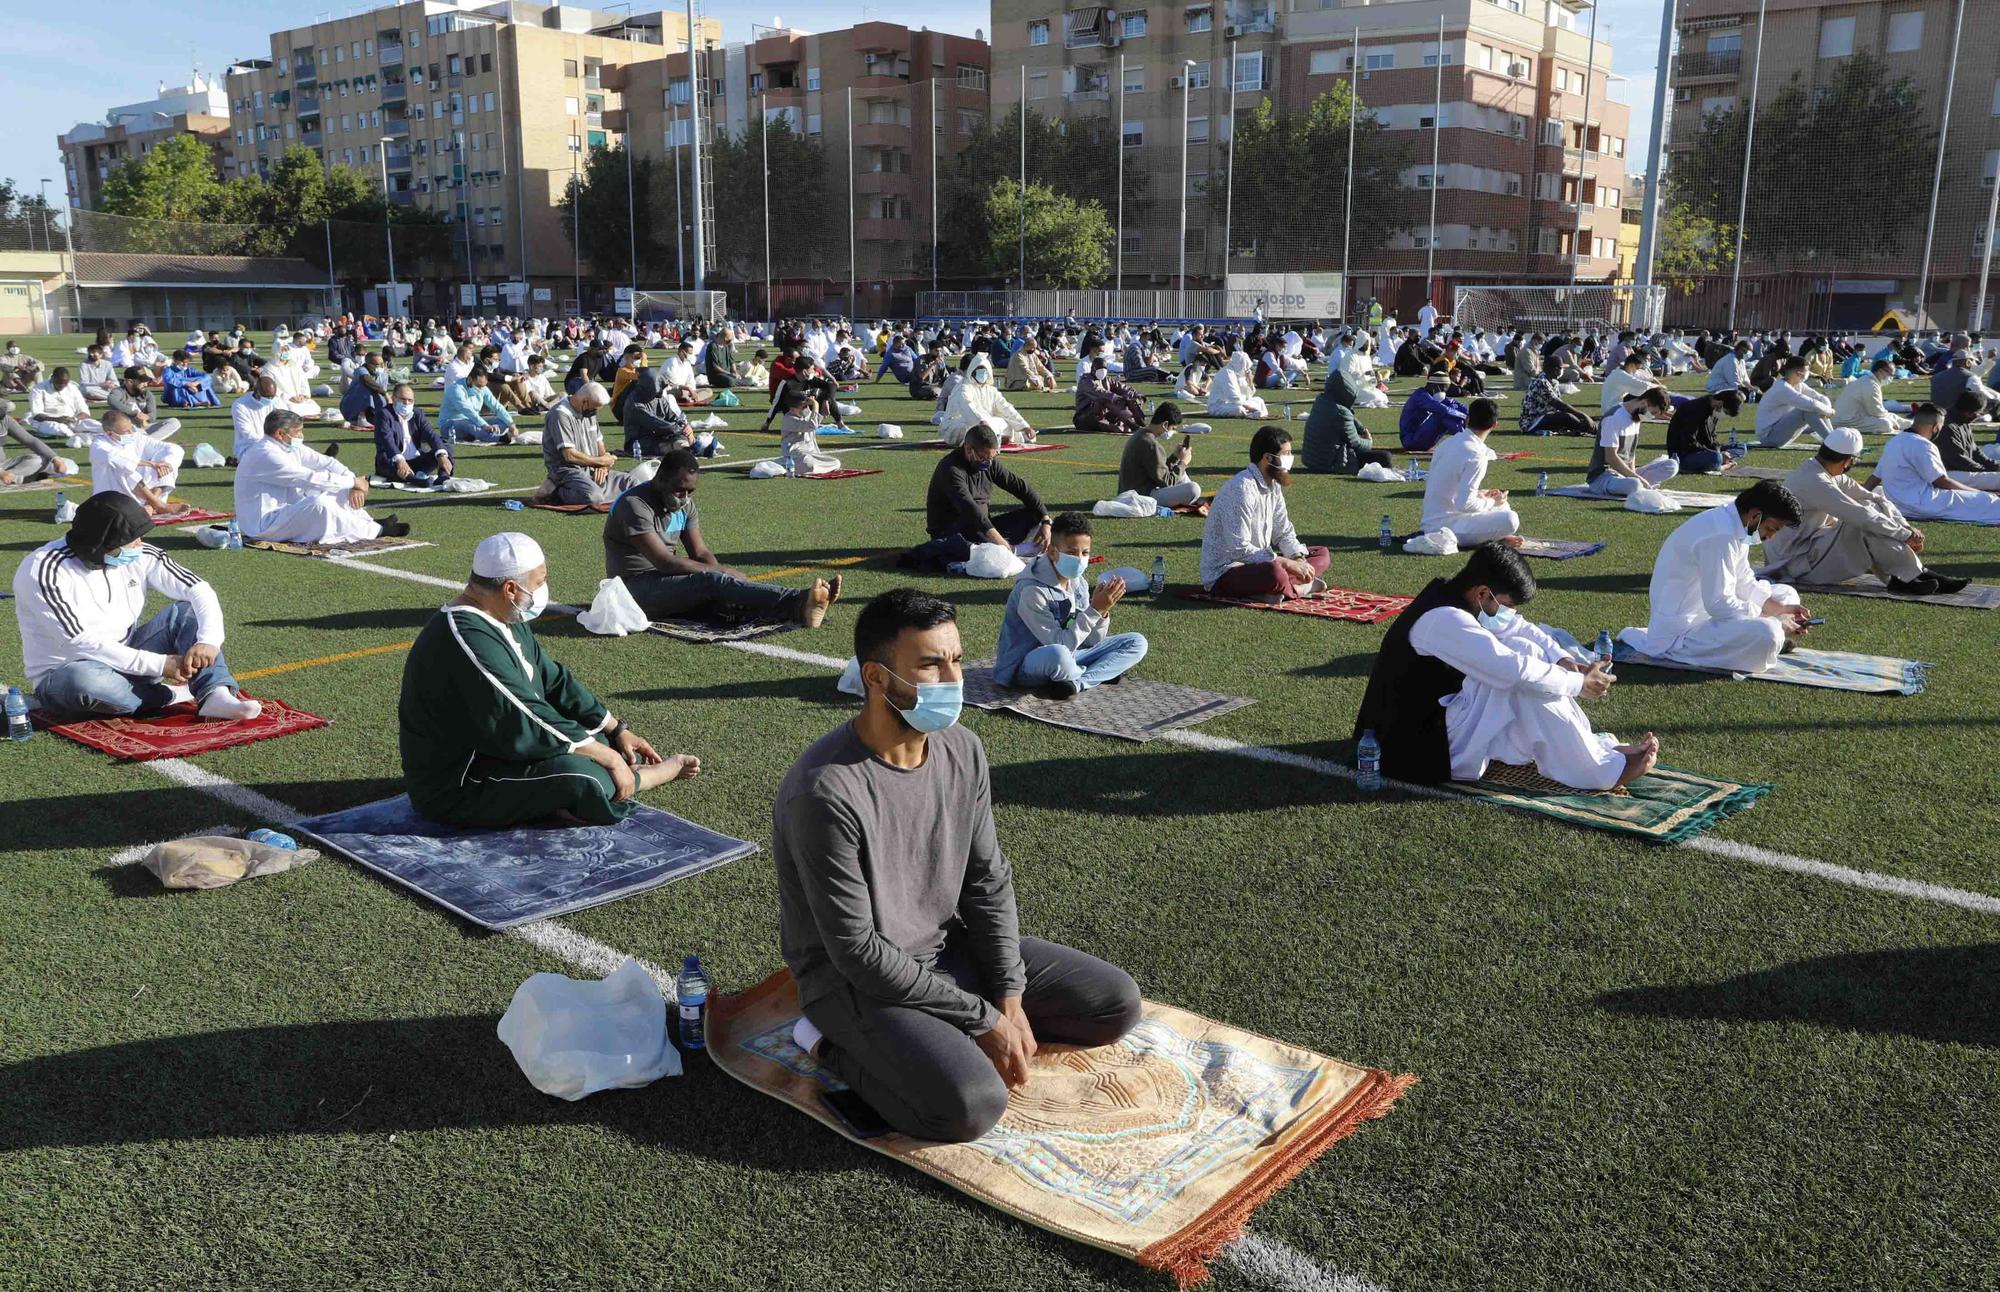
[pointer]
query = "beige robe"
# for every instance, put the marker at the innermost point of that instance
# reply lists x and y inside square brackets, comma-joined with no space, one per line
[1844,531]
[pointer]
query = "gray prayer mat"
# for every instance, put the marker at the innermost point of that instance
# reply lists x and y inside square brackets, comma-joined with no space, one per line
[703,631]
[1558,549]
[1834,670]
[1685,497]
[336,551]
[1134,709]
[1755,473]
[77,483]
[1977,596]
[501,878]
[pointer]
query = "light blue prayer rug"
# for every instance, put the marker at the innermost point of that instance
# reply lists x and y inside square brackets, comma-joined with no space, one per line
[1832,669]
[500,878]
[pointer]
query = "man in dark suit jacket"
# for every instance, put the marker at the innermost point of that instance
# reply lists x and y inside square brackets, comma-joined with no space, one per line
[406,446]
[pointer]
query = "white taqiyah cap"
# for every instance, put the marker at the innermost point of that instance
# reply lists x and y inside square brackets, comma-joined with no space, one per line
[1844,440]
[506,556]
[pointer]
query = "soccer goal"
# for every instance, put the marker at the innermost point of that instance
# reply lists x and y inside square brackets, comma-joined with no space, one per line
[663,307]
[1540,308]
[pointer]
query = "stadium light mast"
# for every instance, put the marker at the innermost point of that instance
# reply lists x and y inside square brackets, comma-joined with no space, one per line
[1187,96]
[1649,219]
[694,158]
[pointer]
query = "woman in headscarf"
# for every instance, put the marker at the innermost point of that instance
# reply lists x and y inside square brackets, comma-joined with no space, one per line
[1335,440]
[1358,362]
[978,399]
[1234,392]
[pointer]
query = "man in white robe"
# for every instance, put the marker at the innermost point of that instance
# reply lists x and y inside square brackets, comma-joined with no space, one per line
[291,387]
[1234,391]
[286,492]
[1453,498]
[1912,474]
[1463,680]
[1707,606]
[57,409]
[1860,403]
[977,401]
[247,413]
[124,459]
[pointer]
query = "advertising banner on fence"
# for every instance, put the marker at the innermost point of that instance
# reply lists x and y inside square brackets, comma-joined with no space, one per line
[1288,296]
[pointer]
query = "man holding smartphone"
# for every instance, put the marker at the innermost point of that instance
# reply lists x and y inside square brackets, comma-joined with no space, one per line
[896,905]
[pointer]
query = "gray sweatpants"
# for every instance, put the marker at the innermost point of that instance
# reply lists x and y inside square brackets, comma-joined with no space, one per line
[37,462]
[930,1080]
[1789,426]
[573,486]
[674,596]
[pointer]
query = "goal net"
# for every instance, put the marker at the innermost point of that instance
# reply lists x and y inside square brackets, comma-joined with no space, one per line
[664,307]
[1572,309]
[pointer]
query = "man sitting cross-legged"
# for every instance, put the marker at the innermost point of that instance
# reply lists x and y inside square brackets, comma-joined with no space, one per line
[896,907]
[1452,497]
[1707,607]
[639,537]
[88,654]
[1845,531]
[1912,474]
[124,459]
[1248,545]
[494,733]
[1614,470]
[1149,467]
[405,444]
[470,412]
[1057,630]
[1463,679]
[1791,408]
[956,506]
[288,493]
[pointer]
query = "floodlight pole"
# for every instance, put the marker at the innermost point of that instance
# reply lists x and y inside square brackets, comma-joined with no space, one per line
[1937,175]
[1649,222]
[1743,186]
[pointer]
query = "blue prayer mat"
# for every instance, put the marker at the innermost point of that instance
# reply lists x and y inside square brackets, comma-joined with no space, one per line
[500,878]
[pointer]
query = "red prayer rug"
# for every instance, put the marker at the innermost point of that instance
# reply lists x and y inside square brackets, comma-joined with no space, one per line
[841,474]
[1334,603]
[194,516]
[179,733]
[1004,448]
[572,508]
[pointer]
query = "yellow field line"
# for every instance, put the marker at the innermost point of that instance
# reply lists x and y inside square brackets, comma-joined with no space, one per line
[808,569]
[324,659]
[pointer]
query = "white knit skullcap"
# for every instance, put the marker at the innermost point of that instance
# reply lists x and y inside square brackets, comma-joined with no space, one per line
[1844,440]
[506,556]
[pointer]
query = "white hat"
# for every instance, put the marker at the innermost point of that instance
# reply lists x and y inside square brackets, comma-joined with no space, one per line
[1844,440]
[506,556]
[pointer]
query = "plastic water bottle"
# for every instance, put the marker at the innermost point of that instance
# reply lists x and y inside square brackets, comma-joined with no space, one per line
[1542,486]
[1368,763]
[1388,534]
[514,504]
[18,726]
[1735,444]
[1159,584]
[273,839]
[691,989]
[65,509]
[1604,644]
[235,535]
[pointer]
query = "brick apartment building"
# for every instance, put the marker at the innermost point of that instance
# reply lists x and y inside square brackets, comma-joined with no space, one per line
[93,149]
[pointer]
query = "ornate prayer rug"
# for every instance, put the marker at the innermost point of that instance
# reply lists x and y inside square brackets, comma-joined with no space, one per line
[180,733]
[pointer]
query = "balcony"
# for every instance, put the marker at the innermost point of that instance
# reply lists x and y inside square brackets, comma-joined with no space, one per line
[617,119]
[881,37]
[304,72]
[396,159]
[388,55]
[395,92]
[876,183]
[395,125]
[616,76]
[778,51]
[404,198]
[308,106]
[875,229]
[881,134]
[1701,65]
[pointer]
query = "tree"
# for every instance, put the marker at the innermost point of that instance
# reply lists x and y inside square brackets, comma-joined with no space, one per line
[807,230]
[1690,244]
[1866,196]
[1068,242]
[175,181]
[600,188]
[26,220]
[1290,198]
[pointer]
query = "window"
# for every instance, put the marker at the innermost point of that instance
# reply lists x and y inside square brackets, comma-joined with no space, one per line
[1250,71]
[1607,197]
[569,68]
[489,101]
[1201,17]
[570,105]
[1718,103]
[346,122]
[813,120]
[1906,32]
[1991,168]
[475,141]
[1482,57]
[970,122]
[1615,145]
[1433,55]
[1725,42]
[453,65]
[1038,32]
[756,82]
[1135,134]
[1038,85]
[1135,80]
[812,78]
[416,38]
[354,48]
[1836,37]
[1379,62]
[1197,79]
[575,144]
[1133,24]
[1326,62]
[1996,97]
[1421,178]
[1197,130]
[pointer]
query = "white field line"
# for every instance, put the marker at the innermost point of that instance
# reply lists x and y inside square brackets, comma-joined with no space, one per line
[1267,1261]
[1748,854]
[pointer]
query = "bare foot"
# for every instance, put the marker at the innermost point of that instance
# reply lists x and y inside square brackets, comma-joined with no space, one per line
[1639,759]
[812,612]
[833,590]
[1512,540]
[675,767]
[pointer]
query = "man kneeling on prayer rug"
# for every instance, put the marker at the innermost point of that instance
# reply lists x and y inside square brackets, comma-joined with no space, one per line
[896,906]
[1708,608]
[1463,680]
[494,733]
[1846,530]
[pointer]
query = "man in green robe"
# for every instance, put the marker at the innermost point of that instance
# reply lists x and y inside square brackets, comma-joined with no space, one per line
[494,732]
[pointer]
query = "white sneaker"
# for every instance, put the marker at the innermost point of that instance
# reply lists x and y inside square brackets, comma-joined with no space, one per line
[805,1035]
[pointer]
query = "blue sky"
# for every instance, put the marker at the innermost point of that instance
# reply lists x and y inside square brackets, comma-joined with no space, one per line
[62,72]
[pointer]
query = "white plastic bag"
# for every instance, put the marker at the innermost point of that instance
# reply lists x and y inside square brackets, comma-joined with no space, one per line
[766,470]
[528,437]
[645,471]
[1376,473]
[1137,581]
[575,1038]
[992,561]
[710,423]
[888,431]
[1196,428]
[613,612]
[464,484]
[1442,543]
[213,861]
[850,679]
[848,410]
[1130,505]
[205,455]
[1650,501]
[213,537]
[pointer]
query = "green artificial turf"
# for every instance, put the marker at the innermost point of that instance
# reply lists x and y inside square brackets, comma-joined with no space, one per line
[1642,1067]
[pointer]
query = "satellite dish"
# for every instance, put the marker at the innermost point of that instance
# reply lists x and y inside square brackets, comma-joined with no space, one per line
[979,34]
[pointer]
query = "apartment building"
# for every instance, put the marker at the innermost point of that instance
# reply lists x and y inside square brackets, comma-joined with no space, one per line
[478,111]
[1808,41]
[91,150]
[1530,158]
[900,83]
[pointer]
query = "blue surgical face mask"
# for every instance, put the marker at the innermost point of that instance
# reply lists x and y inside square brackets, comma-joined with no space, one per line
[1499,619]
[124,556]
[404,408]
[937,706]
[1070,565]
[983,465]
[1754,535]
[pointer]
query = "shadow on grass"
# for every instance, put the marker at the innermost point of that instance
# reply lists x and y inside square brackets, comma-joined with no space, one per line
[381,617]
[1157,783]
[1941,994]
[814,689]
[142,813]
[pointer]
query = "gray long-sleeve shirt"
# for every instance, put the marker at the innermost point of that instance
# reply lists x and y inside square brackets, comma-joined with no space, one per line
[875,863]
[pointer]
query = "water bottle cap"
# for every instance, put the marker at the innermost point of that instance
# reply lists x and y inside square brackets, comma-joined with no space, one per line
[691,962]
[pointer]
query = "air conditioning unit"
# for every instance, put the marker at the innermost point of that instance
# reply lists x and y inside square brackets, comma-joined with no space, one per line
[1519,71]
[1114,36]
[1175,82]
[1232,32]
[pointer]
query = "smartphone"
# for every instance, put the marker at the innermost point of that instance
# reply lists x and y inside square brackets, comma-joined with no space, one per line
[1813,623]
[861,1121]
